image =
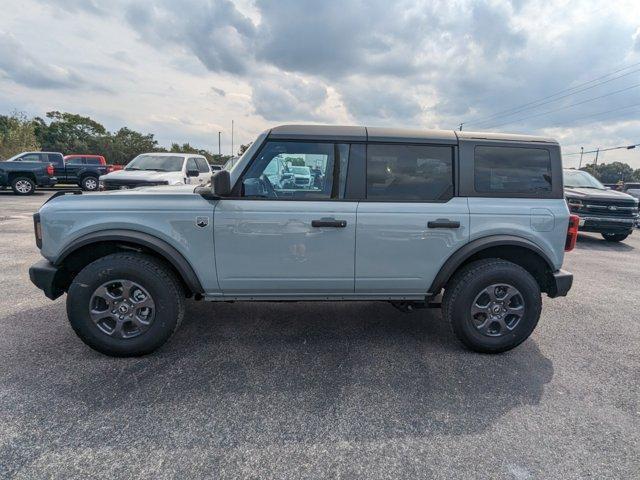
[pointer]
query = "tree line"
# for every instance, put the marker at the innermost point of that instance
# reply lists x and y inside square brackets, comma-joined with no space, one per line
[71,133]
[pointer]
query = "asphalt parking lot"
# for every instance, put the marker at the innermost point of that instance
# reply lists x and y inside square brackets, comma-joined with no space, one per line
[323,390]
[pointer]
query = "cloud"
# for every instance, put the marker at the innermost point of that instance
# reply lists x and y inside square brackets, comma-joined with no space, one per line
[289,98]
[18,65]
[215,32]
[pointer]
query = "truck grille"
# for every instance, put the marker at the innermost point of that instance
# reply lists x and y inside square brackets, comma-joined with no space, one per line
[610,208]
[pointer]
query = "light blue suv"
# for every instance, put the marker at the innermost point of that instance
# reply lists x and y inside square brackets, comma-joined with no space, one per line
[388,215]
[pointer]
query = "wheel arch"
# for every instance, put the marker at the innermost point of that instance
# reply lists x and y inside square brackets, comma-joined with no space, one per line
[518,250]
[92,246]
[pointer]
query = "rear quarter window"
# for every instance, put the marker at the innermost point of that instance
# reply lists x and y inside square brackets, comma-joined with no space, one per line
[519,170]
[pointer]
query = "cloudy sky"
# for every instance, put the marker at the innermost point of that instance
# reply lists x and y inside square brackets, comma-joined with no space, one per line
[183,69]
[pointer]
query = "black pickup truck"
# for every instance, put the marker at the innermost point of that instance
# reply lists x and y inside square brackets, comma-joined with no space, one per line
[601,210]
[24,176]
[77,171]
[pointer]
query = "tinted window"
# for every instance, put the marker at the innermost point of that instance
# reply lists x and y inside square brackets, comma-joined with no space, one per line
[191,164]
[75,161]
[93,161]
[203,167]
[285,170]
[409,173]
[31,157]
[512,170]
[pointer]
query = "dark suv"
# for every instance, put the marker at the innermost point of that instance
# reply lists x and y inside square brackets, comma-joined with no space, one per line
[602,210]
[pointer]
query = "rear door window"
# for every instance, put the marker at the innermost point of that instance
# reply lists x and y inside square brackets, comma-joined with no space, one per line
[76,161]
[409,173]
[93,161]
[519,170]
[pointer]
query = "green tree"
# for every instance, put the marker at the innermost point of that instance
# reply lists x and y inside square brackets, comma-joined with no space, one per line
[121,147]
[295,161]
[17,135]
[68,133]
[243,148]
[611,172]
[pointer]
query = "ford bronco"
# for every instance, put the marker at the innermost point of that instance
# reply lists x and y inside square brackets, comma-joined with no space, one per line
[395,215]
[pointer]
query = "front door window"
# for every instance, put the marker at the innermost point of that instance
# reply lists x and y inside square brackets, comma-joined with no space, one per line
[292,170]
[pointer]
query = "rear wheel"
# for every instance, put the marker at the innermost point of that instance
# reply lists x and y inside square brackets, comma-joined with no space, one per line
[614,237]
[492,305]
[89,183]
[125,304]
[23,186]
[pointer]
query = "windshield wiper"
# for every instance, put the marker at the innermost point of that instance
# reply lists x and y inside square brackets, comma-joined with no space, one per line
[132,168]
[157,169]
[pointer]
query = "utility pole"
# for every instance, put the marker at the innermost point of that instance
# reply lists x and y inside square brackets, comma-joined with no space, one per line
[581,153]
[597,153]
[461,127]
[232,138]
[219,149]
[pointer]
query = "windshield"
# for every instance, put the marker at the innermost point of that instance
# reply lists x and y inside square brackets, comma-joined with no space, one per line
[580,179]
[300,170]
[156,163]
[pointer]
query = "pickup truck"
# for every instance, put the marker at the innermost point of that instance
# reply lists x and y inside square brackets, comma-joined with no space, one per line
[80,170]
[24,176]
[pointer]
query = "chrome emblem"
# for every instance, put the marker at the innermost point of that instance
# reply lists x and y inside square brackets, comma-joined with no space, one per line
[202,221]
[613,207]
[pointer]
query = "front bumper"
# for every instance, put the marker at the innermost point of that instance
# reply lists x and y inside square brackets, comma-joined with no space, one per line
[45,275]
[598,224]
[561,284]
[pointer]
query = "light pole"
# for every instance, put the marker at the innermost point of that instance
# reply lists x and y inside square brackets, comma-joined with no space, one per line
[219,150]
[581,153]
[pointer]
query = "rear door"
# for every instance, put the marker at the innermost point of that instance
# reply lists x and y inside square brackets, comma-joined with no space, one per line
[73,167]
[410,221]
[279,239]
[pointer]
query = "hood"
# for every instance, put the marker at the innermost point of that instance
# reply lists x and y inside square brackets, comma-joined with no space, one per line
[163,189]
[596,194]
[142,175]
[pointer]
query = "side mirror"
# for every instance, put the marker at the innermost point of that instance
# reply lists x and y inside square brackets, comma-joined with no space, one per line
[221,183]
[193,173]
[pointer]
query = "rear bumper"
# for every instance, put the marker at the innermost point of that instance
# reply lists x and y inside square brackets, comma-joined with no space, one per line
[562,281]
[43,275]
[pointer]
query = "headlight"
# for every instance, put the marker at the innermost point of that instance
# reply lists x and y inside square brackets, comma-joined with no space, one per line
[574,203]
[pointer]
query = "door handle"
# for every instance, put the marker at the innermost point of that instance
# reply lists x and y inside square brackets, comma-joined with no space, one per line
[329,222]
[443,223]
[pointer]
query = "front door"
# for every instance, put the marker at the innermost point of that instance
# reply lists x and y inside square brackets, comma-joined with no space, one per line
[287,231]
[410,223]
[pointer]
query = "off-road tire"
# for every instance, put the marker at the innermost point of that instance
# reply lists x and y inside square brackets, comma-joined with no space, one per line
[468,282]
[154,276]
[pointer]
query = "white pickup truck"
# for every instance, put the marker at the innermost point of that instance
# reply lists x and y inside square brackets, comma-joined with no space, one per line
[152,169]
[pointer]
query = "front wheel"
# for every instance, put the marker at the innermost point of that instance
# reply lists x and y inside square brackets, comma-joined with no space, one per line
[125,304]
[23,186]
[492,305]
[89,183]
[614,237]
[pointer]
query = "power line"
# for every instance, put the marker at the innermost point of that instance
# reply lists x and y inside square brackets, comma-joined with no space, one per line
[566,106]
[607,111]
[627,147]
[536,103]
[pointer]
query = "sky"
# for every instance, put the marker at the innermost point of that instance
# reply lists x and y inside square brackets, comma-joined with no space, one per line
[184,69]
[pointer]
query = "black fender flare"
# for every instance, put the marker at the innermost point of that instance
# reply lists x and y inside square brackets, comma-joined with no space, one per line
[462,254]
[169,253]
